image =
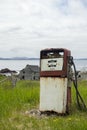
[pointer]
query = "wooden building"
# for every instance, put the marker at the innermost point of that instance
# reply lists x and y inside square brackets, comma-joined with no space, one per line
[30,72]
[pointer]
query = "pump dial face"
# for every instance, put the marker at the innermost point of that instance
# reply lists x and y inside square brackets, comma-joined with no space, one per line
[51,64]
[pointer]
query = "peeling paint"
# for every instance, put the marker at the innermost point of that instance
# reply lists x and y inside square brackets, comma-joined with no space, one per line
[53,98]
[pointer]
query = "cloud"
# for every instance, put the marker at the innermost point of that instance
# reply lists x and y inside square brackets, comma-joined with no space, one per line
[27,26]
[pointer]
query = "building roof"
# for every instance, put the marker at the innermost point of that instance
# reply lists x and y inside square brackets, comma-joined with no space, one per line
[34,68]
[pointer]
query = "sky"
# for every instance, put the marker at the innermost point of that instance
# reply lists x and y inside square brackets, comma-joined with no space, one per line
[28,26]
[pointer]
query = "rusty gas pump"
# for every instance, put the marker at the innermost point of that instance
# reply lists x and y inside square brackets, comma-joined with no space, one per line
[55,84]
[55,80]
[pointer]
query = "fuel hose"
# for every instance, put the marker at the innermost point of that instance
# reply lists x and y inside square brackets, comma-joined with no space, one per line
[78,96]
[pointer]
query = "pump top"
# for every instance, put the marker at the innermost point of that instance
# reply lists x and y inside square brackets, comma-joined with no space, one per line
[55,62]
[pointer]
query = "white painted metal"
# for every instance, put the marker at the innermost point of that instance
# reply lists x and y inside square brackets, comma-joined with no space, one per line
[51,64]
[53,94]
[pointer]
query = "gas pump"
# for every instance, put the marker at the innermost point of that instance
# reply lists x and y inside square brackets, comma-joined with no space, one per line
[55,83]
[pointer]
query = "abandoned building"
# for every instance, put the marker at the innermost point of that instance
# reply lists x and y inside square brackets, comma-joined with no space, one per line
[30,72]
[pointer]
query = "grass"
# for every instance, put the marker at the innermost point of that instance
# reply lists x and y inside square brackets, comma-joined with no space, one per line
[15,101]
[26,93]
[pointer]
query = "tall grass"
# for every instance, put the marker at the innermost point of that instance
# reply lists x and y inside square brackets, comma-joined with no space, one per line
[14,101]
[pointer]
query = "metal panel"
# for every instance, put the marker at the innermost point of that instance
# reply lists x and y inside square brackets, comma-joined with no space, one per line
[51,64]
[53,94]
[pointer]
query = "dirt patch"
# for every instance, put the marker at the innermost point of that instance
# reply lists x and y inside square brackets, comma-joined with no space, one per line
[39,114]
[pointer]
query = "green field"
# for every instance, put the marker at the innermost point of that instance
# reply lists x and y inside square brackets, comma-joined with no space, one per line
[15,101]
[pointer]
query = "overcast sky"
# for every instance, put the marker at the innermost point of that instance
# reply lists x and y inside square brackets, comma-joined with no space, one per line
[27,26]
